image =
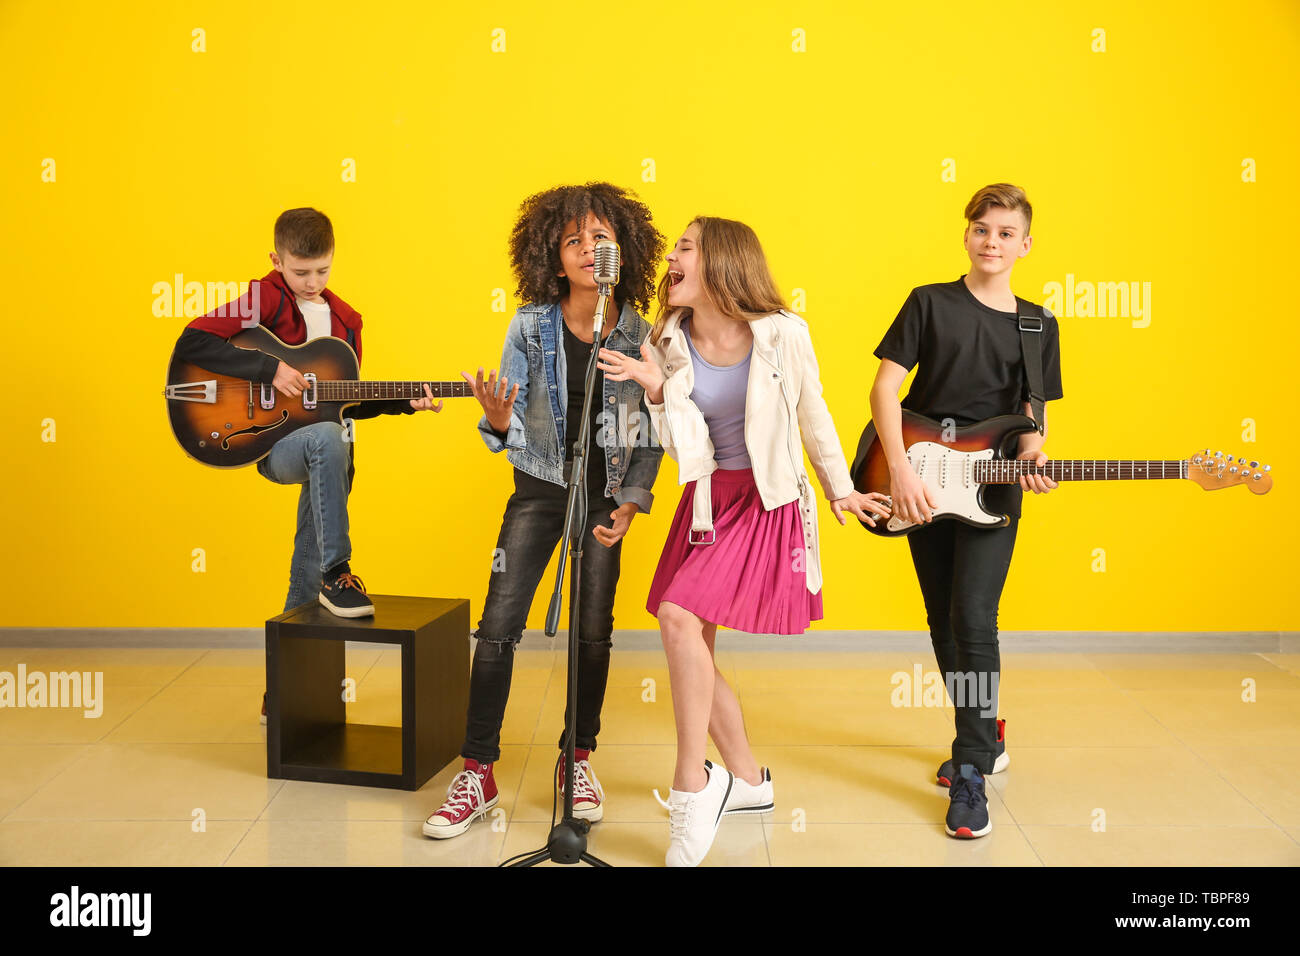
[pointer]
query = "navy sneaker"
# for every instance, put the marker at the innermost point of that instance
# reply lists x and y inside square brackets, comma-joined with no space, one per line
[947,768]
[344,594]
[968,811]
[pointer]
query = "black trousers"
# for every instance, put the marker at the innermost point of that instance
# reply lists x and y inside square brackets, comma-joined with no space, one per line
[530,530]
[961,570]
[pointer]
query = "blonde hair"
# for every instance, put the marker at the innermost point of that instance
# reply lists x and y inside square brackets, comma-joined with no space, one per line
[1003,195]
[733,272]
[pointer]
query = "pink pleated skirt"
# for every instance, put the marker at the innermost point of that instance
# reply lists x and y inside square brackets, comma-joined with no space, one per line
[751,578]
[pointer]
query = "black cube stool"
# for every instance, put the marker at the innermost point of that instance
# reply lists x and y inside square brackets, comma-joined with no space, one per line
[308,737]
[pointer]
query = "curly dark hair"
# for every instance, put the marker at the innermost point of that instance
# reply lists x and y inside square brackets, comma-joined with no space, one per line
[535,241]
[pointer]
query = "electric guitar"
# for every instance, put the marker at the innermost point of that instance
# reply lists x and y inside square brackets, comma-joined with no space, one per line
[230,422]
[956,463]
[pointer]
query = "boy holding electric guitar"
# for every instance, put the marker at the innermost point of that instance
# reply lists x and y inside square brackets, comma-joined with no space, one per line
[967,339]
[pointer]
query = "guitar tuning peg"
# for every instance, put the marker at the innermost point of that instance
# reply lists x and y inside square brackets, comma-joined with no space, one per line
[1218,454]
[1254,464]
[1268,467]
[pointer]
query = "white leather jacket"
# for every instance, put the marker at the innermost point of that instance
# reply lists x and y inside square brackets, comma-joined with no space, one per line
[782,404]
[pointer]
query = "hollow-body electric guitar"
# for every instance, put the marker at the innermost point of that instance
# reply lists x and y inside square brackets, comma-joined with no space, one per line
[229,422]
[956,463]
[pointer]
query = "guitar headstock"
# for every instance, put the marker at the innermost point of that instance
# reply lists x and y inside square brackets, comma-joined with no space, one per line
[1215,470]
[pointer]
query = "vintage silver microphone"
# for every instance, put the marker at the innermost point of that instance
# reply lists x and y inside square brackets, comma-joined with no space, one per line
[606,273]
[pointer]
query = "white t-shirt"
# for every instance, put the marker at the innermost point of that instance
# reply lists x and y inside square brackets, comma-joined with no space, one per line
[317,317]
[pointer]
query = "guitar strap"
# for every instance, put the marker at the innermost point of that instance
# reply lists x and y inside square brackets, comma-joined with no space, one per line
[1031,350]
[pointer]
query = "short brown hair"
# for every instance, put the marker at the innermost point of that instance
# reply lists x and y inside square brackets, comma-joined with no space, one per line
[305,233]
[1003,195]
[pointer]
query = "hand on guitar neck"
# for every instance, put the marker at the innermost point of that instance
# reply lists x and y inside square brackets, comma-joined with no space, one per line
[290,382]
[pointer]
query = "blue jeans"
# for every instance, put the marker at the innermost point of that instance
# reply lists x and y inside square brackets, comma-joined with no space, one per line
[533,524]
[319,458]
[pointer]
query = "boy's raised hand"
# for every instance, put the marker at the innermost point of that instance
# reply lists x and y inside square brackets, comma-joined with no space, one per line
[492,395]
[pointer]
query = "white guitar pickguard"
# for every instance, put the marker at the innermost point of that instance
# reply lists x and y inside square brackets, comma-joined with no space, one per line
[950,477]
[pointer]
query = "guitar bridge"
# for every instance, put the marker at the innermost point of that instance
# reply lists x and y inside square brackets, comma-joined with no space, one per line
[203,392]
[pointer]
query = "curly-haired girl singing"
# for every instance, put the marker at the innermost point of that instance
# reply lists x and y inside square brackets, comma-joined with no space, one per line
[537,420]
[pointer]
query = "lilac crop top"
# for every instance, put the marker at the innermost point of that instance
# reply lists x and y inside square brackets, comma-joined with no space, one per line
[719,394]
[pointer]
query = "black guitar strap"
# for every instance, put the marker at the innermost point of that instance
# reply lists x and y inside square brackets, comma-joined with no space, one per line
[1031,350]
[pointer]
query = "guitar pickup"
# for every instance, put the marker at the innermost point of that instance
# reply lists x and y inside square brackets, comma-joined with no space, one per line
[267,397]
[204,392]
[309,393]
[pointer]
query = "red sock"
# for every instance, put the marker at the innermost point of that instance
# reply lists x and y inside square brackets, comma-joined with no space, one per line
[580,755]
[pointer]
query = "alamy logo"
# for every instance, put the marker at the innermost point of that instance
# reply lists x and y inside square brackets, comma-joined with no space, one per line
[102,909]
[1102,300]
[927,689]
[181,299]
[82,689]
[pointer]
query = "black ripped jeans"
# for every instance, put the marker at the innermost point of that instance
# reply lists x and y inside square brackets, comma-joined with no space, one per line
[962,570]
[530,530]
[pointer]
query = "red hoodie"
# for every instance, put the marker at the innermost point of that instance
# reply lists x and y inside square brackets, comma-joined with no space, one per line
[279,314]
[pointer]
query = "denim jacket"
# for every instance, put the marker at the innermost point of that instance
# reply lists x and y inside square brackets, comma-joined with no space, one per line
[534,358]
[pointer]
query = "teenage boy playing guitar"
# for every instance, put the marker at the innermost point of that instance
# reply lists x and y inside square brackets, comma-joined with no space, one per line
[965,338]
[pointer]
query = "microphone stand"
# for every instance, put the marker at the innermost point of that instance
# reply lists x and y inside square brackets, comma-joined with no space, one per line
[567,842]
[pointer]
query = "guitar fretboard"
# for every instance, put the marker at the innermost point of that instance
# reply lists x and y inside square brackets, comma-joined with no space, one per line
[345,391]
[1002,472]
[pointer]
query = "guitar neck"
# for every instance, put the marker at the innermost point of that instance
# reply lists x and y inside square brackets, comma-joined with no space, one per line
[1004,472]
[353,391]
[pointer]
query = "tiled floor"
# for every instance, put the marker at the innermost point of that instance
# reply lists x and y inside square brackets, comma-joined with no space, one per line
[1116,759]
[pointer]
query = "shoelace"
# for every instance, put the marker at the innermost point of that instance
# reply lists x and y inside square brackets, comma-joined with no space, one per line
[465,791]
[679,818]
[349,580]
[583,779]
[966,792]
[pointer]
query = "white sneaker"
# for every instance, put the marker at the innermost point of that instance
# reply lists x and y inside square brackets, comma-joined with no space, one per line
[588,794]
[693,818]
[747,798]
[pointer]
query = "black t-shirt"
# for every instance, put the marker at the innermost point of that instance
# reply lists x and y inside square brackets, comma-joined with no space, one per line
[577,354]
[970,364]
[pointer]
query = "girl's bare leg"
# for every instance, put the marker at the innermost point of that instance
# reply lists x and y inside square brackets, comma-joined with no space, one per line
[691,672]
[726,725]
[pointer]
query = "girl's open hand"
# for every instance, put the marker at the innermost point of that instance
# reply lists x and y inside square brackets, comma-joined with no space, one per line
[497,402]
[646,373]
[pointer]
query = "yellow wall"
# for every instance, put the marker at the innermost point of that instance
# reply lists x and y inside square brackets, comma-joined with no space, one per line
[172,161]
